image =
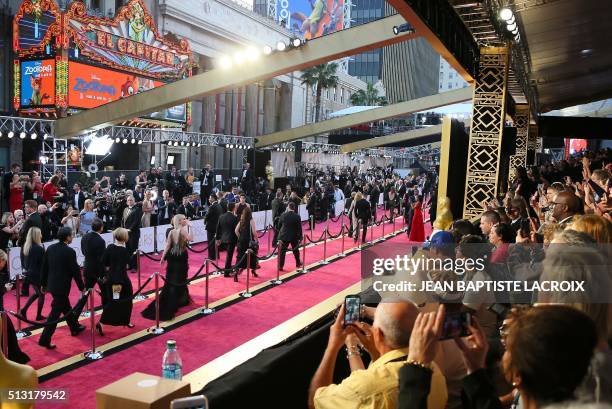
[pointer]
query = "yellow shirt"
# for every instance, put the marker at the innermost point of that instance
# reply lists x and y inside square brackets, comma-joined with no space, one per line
[377,387]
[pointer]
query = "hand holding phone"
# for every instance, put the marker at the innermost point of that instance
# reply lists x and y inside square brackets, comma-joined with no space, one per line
[456,325]
[352,309]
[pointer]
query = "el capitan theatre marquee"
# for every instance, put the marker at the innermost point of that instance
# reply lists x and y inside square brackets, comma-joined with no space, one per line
[69,61]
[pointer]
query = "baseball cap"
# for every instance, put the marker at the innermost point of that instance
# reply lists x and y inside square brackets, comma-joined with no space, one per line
[439,239]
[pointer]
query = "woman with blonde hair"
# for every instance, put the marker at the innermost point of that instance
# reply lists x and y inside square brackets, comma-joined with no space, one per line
[9,230]
[174,294]
[33,254]
[117,294]
[87,216]
[147,209]
[71,219]
[596,226]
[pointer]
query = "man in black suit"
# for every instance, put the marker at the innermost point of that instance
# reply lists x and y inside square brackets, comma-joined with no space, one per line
[32,219]
[226,235]
[186,208]
[278,208]
[247,181]
[132,216]
[92,247]
[166,208]
[374,196]
[206,181]
[58,270]
[77,199]
[311,206]
[290,233]
[138,194]
[211,220]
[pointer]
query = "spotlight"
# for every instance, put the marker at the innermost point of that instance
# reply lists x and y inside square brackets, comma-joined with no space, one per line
[297,42]
[227,145]
[33,136]
[252,53]
[125,141]
[22,135]
[403,28]
[281,46]
[506,14]
[225,62]
[11,134]
[175,143]
[199,145]
[511,26]
[0,134]
[169,143]
[140,142]
[46,136]
[267,50]
[117,140]
[239,57]
[182,143]
[133,141]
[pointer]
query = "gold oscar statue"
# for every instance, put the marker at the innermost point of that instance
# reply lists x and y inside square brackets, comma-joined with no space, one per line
[16,376]
[444,216]
[270,174]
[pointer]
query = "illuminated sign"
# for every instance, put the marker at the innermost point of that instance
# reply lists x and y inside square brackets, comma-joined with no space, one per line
[37,83]
[312,18]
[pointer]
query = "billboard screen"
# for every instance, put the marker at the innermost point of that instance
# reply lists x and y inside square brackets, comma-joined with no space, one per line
[90,87]
[311,18]
[577,145]
[37,83]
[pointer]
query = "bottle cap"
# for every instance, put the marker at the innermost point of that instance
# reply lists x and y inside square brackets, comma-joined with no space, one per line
[171,343]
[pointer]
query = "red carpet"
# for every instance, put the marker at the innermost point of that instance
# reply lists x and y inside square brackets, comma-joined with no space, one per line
[205,339]
[219,288]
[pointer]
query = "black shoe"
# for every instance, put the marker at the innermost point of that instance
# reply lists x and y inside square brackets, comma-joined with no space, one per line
[48,346]
[226,275]
[23,313]
[130,325]
[41,318]
[254,273]
[236,277]
[99,329]
[77,331]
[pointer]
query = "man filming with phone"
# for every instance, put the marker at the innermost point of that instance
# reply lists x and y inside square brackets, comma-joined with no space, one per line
[377,386]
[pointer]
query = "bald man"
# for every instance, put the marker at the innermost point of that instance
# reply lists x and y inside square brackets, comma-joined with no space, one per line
[377,386]
[565,206]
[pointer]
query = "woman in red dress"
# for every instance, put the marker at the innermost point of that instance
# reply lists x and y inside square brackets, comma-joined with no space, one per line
[51,189]
[417,230]
[16,194]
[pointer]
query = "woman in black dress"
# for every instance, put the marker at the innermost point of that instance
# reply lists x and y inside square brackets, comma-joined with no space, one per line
[174,294]
[117,286]
[33,253]
[247,233]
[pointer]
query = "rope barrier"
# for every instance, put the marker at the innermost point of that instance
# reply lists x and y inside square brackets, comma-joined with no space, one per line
[157,260]
[77,307]
[198,251]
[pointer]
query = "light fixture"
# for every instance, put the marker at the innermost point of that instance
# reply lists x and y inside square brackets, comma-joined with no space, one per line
[11,134]
[133,141]
[175,143]
[267,50]
[33,136]
[43,159]
[169,143]
[403,28]
[585,52]
[125,141]
[252,53]
[22,135]
[225,63]
[281,46]
[506,14]
[182,143]
[297,42]
[140,142]
[0,134]
[46,136]
[511,26]
[117,140]
[199,144]
[99,146]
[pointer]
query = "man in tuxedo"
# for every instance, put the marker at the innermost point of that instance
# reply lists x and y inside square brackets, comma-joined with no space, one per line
[290,233]
[247,181]
[138,194]
[278,208]
[211,220]
[311,207]
[46,217]
[58,270]
[268,198]
[92,247]
[132,216]
[226,235]
[32,219]
[166,208]
[186,208]
[78,197]
[374,196]
[175,182]
[206,181]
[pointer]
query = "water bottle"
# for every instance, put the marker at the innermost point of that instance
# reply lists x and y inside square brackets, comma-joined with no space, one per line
[172,367]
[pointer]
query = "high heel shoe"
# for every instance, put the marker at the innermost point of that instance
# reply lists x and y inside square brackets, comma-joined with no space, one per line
[41,318]
[99,329]
[130,325]
[254,273]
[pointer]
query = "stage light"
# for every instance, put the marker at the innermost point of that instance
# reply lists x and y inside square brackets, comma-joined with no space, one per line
[33,136]
[117,140]
[297,42]
[11,134]
[133,141]
[182,143]
[125,141]
[239,57]
[225,63]
[99,146]
[281,46]
[46,136]
[175,143]
[140,142]
[403,28]
[511,26]
[252,53]
[267,50]
[22,135]
[506,14]
[43,159]
[0,134]
[199,144]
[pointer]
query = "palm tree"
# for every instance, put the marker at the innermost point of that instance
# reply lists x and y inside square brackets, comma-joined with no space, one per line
[320,77]
[368,97]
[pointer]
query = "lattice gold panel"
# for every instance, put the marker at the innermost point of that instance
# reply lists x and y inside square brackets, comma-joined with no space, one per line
[485,133]
[521,122]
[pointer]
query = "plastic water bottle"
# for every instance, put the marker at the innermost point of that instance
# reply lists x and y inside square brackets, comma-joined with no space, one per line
[172,366]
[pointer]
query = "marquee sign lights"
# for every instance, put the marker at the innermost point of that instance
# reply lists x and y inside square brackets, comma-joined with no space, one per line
[128,44]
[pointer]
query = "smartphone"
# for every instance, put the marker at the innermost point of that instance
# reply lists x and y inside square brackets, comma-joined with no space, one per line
[456,325]
[599,192]
[352,309]
[192,402]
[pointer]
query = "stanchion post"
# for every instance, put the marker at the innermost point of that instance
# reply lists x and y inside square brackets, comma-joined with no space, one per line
[304,270]
[383,228]
[246,293]
[311,221]
[92,355]
[21,333]
[325,233]
[278,280]
[4,333]
[140,296]
[207,310]
[270,233]
[372,229]
[394,225]
[157,329]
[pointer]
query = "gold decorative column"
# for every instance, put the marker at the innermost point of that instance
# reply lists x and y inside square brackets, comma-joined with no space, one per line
[521,122]
[485,133]
[532,145]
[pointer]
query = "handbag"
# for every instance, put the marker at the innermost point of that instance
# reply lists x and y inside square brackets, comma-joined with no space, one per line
[253,244]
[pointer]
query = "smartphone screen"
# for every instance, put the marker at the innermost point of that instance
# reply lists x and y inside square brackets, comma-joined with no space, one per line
[456,325]
[352,309]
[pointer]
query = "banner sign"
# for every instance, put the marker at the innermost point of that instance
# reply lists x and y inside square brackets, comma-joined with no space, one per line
[147,239]
[37,83]
[311,18]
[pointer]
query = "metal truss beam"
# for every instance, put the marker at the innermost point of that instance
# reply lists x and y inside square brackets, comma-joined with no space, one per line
[340,44]
[27,125]
[149,135]
[393,138]
[372,115]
